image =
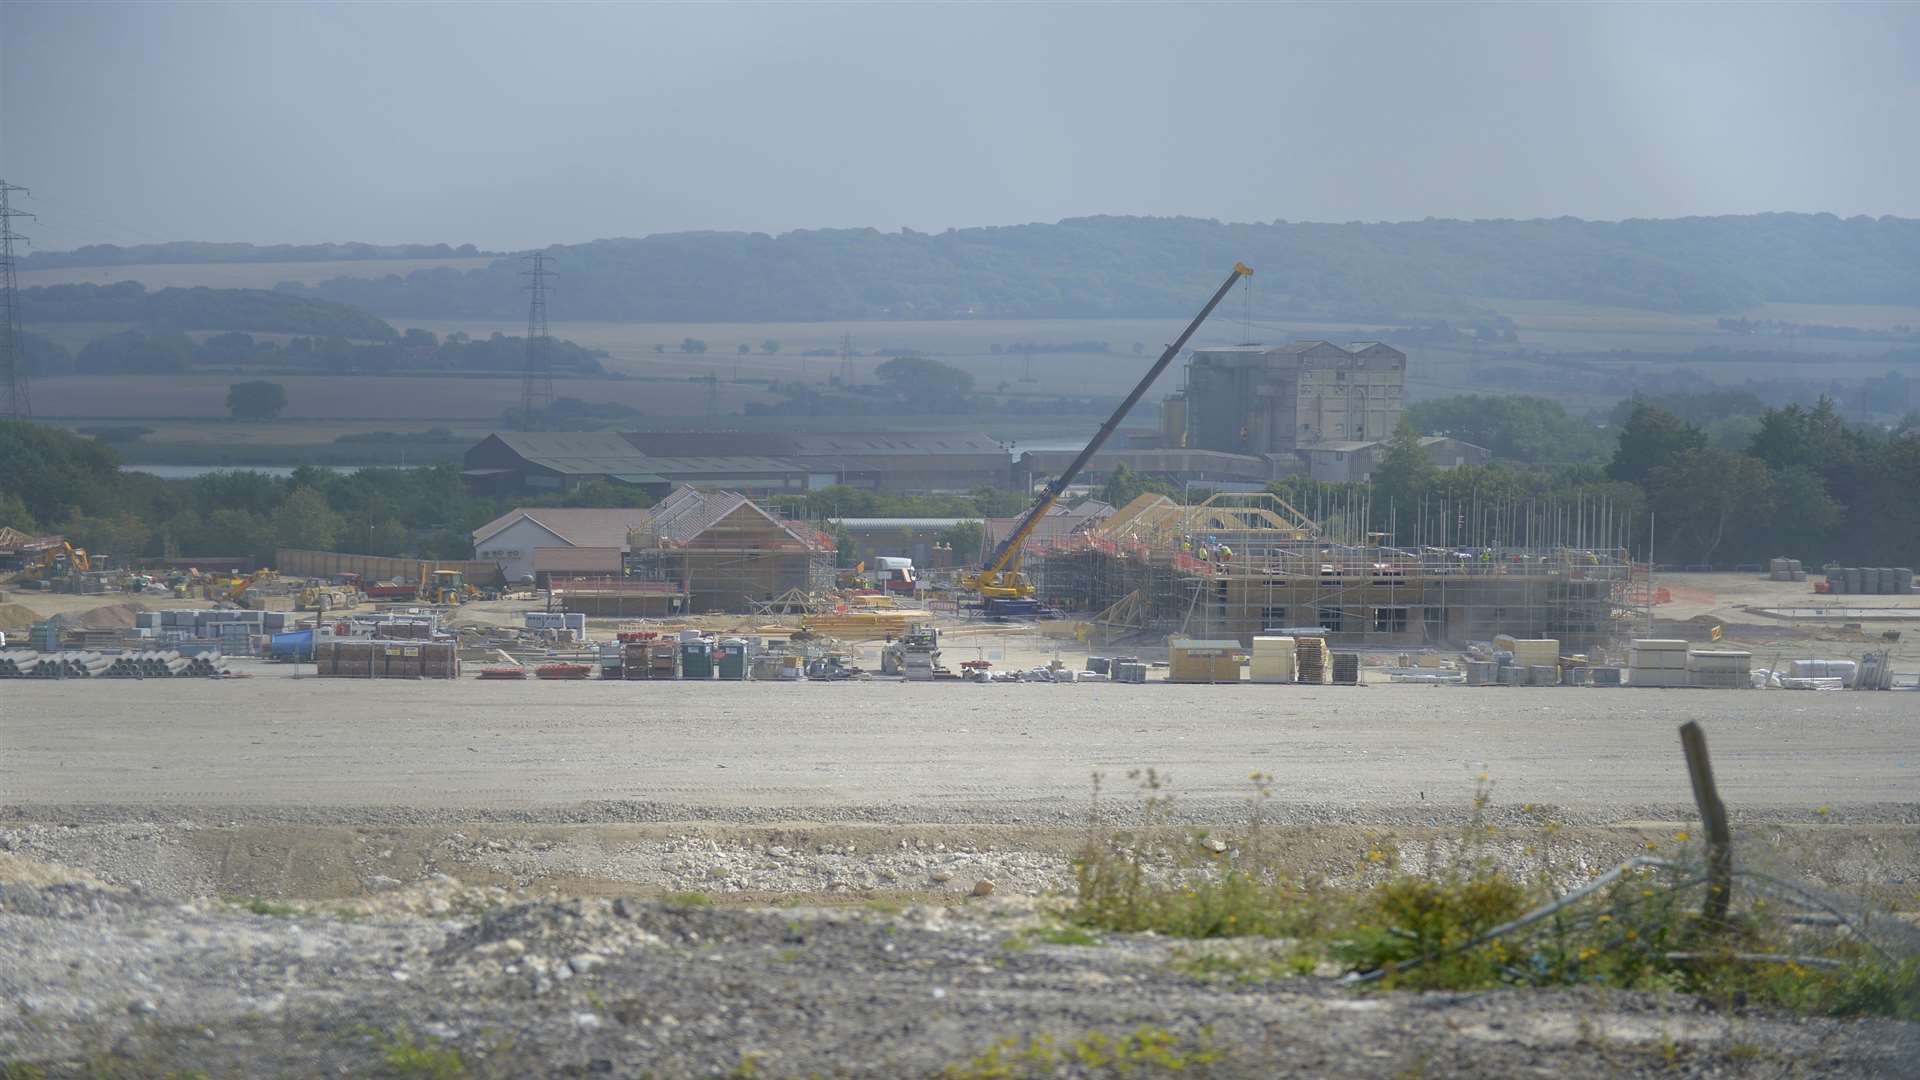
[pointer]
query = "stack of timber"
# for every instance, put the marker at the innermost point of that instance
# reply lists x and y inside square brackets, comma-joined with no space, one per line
[865,625]
[1720,669]
[1272,660]
[1311,660]
[365,659]
[1657,662]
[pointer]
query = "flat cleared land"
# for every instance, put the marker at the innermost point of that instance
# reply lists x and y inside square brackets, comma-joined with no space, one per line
[334,750]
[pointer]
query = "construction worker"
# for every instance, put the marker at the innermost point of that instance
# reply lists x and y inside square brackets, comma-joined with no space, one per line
[1225,553]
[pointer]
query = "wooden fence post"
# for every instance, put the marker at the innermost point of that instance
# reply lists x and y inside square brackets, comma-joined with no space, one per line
[1713,816]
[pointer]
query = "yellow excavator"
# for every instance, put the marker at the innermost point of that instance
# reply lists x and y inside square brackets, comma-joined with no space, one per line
[1003,589]
[54,564]
[445,587]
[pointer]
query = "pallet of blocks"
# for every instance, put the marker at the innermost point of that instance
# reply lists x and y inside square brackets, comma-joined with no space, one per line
[1657,662]
[1311,662]
[1720,669]
[1272,660]
[1532,654]
[361,658]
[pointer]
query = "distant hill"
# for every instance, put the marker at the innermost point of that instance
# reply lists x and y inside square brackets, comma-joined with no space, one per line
[194,251]
[262,310]
[1152,267]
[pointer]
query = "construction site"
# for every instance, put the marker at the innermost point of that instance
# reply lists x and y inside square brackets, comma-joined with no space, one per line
[1240,566]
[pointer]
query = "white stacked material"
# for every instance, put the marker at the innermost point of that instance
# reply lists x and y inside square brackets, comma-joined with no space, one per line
[1844,670]
[1272,660]
[1787,682]
[1720,669]
[1657,653]
[1536,652]
[1657,662]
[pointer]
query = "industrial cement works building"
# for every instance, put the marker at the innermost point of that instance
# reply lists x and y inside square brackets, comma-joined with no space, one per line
[1280,399]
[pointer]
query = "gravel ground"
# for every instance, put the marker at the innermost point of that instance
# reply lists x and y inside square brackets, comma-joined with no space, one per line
[104,980]
[338,751]
[474,858]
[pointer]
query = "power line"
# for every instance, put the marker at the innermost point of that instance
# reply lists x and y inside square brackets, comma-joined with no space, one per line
[13,366]
[536,383]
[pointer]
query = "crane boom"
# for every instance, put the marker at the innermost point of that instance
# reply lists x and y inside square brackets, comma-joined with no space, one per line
[999,578]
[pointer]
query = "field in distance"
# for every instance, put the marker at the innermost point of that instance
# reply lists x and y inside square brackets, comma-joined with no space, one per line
[225,275]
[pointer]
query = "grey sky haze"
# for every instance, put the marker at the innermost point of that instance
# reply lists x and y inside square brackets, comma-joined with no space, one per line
[511,125]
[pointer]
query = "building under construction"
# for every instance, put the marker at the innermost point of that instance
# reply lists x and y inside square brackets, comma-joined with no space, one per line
[1240,565]
[725,553]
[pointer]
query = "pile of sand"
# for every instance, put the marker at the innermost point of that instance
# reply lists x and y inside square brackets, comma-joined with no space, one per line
[110,617]
[17,617]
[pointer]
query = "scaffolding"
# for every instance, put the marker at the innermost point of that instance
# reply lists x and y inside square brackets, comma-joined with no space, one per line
[1236,566]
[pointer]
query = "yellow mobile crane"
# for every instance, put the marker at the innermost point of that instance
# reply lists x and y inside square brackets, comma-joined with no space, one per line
[1003,589]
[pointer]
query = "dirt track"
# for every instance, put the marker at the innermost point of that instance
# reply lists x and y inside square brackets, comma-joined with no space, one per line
[334,750]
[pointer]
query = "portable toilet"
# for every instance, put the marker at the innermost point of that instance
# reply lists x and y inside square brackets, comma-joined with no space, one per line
[696,660]
[730,657]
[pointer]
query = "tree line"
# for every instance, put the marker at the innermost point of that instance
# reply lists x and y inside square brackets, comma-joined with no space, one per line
[197,251]
[1805,484]
[1107,267]
[60,482]
[200,308]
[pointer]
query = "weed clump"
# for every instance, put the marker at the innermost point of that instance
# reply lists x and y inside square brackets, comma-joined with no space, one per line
[1472,925]
[1142,1052]
[424,1059]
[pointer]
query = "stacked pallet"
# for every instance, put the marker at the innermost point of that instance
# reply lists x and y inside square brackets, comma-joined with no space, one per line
[1272,660]
[1311,660]
[1657,662]
[1482,673]
[1720,669]
[1346,669]
[1786,570]
[1530,655]
[1129,671]
[1876,672]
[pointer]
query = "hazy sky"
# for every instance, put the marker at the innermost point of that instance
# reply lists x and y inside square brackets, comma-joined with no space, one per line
[512,125]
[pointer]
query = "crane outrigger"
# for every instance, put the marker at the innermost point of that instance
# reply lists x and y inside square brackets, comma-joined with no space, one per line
[1003,589]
